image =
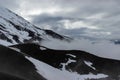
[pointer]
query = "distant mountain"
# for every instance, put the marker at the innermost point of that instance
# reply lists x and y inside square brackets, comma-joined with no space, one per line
[14,29]
[116,41]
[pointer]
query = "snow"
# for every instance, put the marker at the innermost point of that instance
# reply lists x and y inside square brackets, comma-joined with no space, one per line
[6,16]
[71,55]
[10,29]
[16,49]
[5,43]
[51,73]
[89,64]
[65,64]
[42,48]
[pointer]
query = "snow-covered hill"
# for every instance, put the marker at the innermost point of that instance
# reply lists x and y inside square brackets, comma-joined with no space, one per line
[69,64]
[16,65]
[72,61]
[14,29]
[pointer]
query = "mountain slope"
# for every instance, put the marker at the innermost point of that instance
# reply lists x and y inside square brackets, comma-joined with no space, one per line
[15,66]
[20,66]
[14,29]
[72,60]
[4,76]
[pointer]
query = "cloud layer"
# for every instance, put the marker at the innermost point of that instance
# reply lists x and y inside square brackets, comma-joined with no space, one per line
[102,48]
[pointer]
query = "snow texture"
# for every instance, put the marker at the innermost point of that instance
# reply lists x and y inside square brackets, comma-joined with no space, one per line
[65,64]
[42,48]
[5,43]
[52,73]
[16,49]
[89,64]
[12,24]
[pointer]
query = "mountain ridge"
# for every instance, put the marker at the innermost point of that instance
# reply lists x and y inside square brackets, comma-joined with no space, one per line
[15,29]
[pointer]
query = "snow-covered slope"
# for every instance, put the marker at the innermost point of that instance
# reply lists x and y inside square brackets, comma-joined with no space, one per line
[52,73]
[74,64]
[21,66]
[14,29]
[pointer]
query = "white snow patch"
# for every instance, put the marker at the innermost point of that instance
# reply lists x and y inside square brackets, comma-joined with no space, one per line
[71,55]
[42,48]
[65,64]
[16,49]
[5,43]
[51,73]
[89,64]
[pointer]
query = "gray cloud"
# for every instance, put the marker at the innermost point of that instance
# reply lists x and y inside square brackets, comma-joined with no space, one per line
[102,14]
[14,4]
[71,8]
[43,18]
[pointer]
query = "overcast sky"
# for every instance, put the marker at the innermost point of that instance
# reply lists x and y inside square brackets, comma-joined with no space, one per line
[88,17]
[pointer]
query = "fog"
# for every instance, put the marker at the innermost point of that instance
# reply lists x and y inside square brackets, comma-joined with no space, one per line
[102,48]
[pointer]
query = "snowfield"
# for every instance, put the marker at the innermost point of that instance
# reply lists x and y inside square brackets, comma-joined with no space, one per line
[52,73]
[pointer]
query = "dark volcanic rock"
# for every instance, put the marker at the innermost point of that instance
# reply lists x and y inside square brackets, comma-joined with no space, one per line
[9,77]
[14,66]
